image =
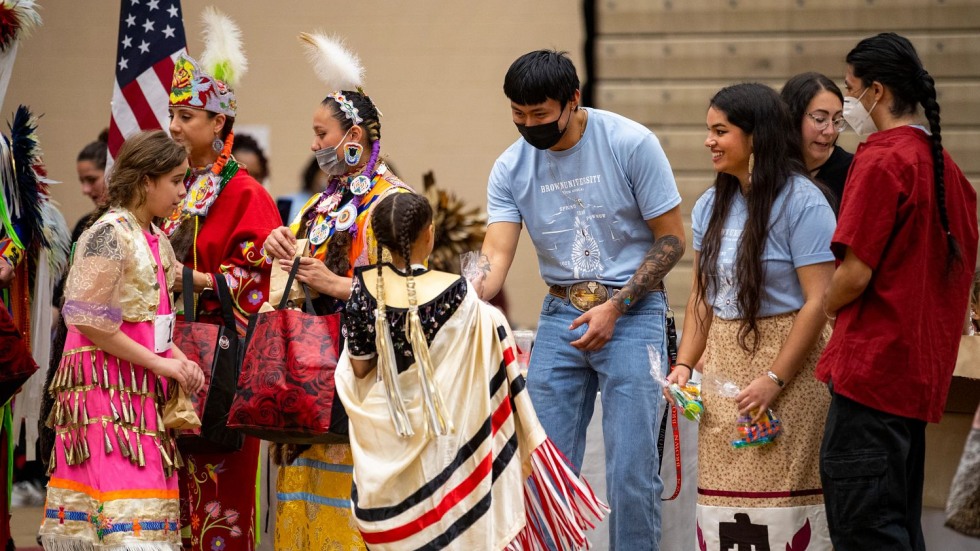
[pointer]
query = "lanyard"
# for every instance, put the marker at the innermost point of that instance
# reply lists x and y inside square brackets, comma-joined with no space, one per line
[672,356]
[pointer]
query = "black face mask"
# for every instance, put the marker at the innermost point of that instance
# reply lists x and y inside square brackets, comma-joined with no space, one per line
[544,136]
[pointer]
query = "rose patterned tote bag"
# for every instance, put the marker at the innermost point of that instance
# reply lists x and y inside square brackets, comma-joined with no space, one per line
[286,387]
[216,349]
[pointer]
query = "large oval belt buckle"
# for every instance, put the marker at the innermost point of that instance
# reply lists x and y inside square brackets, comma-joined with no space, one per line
[587,295]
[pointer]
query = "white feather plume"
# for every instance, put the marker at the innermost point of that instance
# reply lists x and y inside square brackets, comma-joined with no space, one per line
[334,64]
[224,55]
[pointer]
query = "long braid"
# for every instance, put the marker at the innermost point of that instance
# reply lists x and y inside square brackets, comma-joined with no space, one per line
[892,60]
[931,108]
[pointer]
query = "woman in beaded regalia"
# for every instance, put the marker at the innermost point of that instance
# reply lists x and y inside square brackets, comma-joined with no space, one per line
[347,143]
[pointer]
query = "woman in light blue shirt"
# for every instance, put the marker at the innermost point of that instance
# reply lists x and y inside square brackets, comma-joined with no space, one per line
[762,263]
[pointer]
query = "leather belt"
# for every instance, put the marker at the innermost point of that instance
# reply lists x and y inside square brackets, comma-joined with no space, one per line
[586,295]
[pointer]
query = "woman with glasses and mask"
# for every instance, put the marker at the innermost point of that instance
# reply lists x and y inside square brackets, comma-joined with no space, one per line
[816,106]
[906,241]
[347,142]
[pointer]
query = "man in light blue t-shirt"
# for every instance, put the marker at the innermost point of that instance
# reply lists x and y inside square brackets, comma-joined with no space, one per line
[599,201]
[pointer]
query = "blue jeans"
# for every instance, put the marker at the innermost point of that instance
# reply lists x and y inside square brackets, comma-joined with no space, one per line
[563,381]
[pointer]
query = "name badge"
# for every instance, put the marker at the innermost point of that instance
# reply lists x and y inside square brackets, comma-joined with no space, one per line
[163,330]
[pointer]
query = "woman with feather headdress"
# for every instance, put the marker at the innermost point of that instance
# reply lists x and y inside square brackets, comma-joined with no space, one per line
[218,231]
[315,482]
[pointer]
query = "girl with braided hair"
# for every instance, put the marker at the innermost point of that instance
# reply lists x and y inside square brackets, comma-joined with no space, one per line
[314,481]
[906,240]
[447,401]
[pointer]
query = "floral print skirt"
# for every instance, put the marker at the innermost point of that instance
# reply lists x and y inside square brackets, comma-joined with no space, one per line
[768,496]
[217,499]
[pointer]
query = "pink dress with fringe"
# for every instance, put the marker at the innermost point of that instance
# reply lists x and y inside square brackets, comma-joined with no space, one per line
[113,483]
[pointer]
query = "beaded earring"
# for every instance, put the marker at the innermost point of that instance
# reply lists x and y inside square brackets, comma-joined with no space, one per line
[352,153]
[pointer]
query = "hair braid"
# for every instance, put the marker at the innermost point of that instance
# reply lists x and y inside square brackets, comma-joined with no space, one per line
[931,108]
[405,240]
[398,220]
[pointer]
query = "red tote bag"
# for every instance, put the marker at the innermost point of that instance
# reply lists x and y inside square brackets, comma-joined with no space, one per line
[216,349]
[286,388]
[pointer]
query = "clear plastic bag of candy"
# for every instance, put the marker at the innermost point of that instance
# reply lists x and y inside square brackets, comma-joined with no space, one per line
[759,433]
[688,400]
[748,433]
[687,397]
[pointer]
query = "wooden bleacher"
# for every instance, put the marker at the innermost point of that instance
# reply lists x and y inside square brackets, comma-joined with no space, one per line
[659,63]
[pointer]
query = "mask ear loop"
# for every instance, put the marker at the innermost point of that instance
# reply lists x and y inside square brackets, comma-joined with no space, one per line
[387,366]
[437,421]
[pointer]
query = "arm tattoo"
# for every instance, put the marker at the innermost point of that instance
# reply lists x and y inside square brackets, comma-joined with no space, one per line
[664,254]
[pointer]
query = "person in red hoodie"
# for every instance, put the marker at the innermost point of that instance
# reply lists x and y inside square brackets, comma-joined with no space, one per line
[906,240]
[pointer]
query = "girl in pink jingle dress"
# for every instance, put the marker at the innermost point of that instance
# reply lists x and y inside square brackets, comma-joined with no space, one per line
[112,468]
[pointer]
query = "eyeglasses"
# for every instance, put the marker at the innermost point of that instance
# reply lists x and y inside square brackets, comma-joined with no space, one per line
[821,122]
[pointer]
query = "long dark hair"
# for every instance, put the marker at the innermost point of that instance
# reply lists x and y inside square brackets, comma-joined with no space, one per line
[891,60]
[398,220]
[759,112]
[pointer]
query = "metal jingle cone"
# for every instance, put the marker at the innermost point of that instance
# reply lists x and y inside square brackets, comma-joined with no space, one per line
[163,455]
[79,373]
[69,377]
[139,450]
[74,409]
[105,372]
[67,444]
[52,463]
[105,434]
[112,405]
[123,443]
[132,378]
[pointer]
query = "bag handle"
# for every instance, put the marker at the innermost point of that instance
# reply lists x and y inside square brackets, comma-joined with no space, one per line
[224,297]
[289,288]
[187,276]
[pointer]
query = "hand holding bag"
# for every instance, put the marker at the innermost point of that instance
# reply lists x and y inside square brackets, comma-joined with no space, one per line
[178,413]
[216,349]
[286,388]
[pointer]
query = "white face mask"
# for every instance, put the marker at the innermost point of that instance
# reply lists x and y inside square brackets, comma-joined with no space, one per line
[857,117]
[327,158]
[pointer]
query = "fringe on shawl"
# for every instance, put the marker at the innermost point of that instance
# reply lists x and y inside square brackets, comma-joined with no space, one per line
[436,417]
[559,505]
[388,373]
[61,543]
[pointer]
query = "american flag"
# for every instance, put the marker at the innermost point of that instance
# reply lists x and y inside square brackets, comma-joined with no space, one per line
[151,36]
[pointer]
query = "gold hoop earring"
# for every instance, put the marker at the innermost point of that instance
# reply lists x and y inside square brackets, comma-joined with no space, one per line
[751,164]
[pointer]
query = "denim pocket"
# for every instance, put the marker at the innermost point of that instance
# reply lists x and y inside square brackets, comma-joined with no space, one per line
[551,305]
[855,494]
